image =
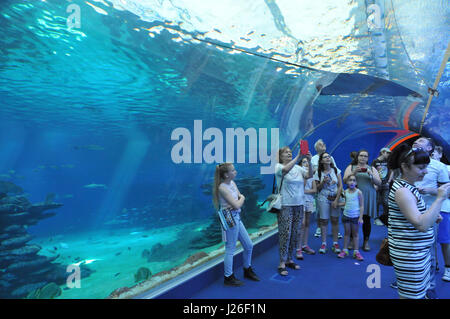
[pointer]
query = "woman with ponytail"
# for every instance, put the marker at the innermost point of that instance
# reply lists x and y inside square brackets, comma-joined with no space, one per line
[410,226]
[226,196]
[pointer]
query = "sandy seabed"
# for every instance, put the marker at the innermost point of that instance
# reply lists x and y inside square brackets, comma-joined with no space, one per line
[115,257]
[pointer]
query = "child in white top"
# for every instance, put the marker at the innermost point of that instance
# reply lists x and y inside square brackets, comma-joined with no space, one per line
[310,190]
[353,217]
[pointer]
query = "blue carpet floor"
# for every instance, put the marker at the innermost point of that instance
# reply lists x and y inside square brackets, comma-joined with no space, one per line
[320,276]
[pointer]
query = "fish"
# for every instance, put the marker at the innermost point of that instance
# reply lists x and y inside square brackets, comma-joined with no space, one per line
[86,262]
[90,147]
[95,186]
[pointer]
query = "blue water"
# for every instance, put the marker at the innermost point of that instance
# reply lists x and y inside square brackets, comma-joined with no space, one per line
[98,104]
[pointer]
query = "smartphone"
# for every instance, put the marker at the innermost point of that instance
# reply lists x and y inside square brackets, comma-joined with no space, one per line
[304,148]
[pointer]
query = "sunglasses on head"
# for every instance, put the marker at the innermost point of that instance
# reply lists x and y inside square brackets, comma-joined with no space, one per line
[415,150]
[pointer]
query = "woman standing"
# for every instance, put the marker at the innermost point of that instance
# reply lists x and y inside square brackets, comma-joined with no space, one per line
[410,227]
[226,196]
[366,177]
[290,177]
[329,187]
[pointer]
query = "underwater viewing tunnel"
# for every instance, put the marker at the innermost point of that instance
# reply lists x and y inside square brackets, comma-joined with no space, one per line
[115,113]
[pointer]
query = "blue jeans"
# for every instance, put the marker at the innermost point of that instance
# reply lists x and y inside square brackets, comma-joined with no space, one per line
[232,235]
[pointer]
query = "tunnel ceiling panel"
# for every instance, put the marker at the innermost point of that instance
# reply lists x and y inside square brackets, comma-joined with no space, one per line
[372,59]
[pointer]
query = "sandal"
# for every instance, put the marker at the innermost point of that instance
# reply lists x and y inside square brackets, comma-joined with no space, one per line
[282,271]
[292,265]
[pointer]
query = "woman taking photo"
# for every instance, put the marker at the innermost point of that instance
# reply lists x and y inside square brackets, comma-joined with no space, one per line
[291,177]
[410,226]
[366,178]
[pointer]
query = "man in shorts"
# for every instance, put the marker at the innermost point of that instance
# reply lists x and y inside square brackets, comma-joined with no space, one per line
[436,176]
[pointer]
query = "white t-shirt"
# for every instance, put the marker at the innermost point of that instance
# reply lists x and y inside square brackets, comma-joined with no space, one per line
[308,186]
[232,188]
[293,188]
[437,173]
[328,189]
[315,162]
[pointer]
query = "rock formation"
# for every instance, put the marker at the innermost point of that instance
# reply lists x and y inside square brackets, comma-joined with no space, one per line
[23,272]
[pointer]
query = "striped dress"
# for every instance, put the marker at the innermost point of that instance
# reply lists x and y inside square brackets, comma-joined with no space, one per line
[410,249]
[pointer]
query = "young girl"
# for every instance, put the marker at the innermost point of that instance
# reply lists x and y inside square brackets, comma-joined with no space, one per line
[226,195]
[329,186]
[353,217]
[367,178]
[310,189]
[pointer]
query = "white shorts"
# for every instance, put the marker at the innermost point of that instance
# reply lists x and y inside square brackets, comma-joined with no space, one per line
[309,207]
[326,210]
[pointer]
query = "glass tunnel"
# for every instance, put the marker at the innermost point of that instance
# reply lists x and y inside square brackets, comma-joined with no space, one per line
[115,113]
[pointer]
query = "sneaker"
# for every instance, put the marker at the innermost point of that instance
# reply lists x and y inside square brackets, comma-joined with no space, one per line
[299,254]
[366,246]
[343,254]
[250,274]
[232,281]
[378,222]
[431,294]
[336,248]
[318,232]
[358,256]
[339,236]
[308,250]
[446,276]
[323,249]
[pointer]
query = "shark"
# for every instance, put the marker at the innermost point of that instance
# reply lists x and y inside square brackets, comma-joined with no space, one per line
[95,186]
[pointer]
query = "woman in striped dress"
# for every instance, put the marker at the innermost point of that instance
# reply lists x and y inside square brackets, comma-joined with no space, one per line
[410,230]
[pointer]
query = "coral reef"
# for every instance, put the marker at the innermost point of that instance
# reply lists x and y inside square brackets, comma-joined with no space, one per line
[49,291]
[22,270]
[160,277]
[143,273]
